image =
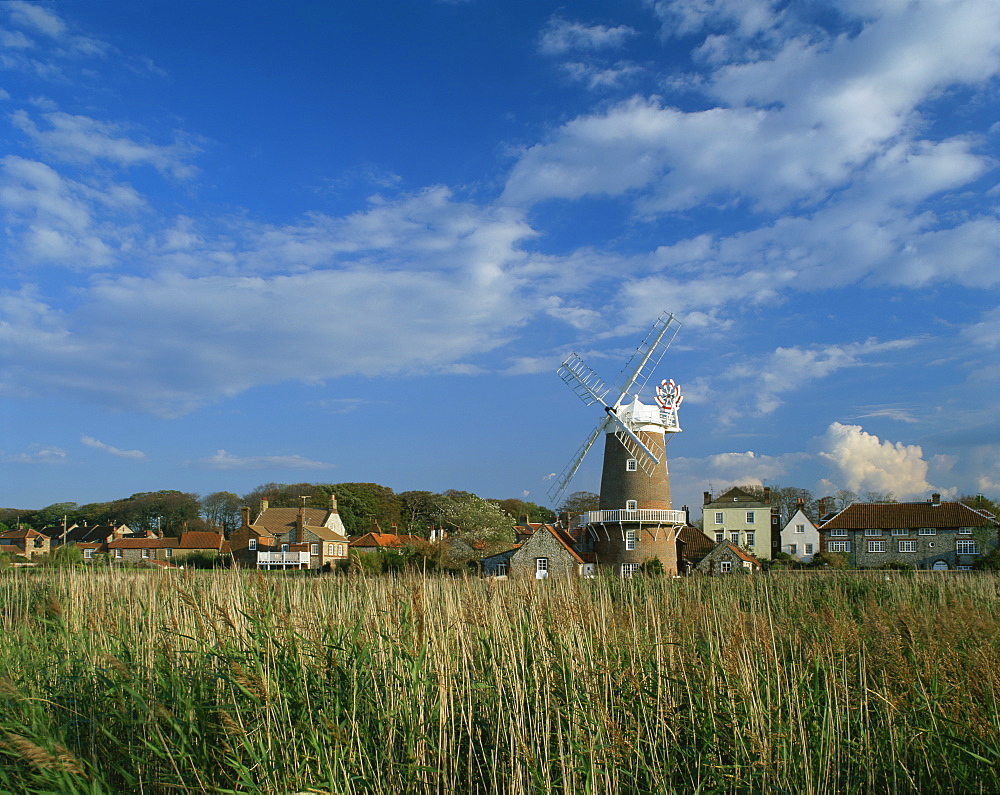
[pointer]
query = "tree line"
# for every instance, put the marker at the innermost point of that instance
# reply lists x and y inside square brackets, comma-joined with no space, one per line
[361,507]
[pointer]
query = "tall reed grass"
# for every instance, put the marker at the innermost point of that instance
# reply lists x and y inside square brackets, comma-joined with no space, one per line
[245,682]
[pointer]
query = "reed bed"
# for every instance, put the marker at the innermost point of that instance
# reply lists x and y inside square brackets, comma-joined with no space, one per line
[244,682]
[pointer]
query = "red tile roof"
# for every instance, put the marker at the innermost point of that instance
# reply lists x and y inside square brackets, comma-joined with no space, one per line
[200,539]
[877,515]
[383,540]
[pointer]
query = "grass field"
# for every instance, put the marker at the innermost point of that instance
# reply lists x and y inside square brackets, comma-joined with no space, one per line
[241,682]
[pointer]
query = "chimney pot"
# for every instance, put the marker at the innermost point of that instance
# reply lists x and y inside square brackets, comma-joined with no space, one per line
[935,499]
[708,497]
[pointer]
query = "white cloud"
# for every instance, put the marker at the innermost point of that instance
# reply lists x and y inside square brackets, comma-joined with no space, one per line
[225,460]
[36,17]
[134,455]
[81,140]
[561,36]
[44,455]
[985,333]
[599,77]
[862,462]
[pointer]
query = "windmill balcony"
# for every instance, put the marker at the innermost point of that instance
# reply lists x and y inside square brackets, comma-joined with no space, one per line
[639,515]
[282,558]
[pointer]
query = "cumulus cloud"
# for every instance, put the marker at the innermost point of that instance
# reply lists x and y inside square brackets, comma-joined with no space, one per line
[134,455]
[225,460]
[863,462]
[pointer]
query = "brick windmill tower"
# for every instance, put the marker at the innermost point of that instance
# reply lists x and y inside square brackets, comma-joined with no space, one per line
[636,521]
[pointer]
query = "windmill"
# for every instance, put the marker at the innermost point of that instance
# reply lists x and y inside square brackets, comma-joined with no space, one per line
[635,507]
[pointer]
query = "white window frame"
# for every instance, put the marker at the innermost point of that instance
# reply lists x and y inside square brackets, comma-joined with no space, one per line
[631,536]
[927,531]
[839,532]
[873,531]
[876,546]
[541,564]
[800,528]
[900,531]
[720,517]
[118,553]
[314,549]
[809,549]
[750,538]
[907,546]
[750,517]
[734,538]
[285,547]
[965,531]
[839,546]
[631,505]
[500,570]
[966,546]
[631,465]
[145,552]
[252,545]
[725,566]
[88,554]
[629,570]
[793,549]
[168,552]
[720,537]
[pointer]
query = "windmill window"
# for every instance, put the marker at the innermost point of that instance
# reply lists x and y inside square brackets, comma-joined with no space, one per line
[631,505]
[631,465]
[629,570]
[630,537]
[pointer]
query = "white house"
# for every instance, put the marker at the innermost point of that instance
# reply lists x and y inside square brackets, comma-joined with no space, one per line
[800,537]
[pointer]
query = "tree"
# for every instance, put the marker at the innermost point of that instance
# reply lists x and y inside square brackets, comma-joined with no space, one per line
[518,509]
[844,497]
[222,508]
[580,502]
[879,496]
[478,521]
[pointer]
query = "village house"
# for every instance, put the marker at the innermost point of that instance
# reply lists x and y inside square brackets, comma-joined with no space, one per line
[727,558]
[800,536]
[25,542]
[932,535]
[744,520]
[297,538]
[375,540]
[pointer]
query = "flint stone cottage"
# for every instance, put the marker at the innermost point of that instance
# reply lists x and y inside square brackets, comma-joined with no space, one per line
[932,535]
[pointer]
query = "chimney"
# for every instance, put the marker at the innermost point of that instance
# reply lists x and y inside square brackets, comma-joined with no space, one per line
[263,506]
[687,514]
[300,525]
[935,499]
[801,501]
[708,497]
[767,495]
[245,510]
[333,503]
[394,528]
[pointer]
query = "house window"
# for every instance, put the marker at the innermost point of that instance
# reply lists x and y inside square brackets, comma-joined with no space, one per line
[720,537]
[750,539]
[252,544]
[631,505]
[500,570]
[145,553]
[284,547]
[631,465]
[840,546]
[964,568]
[965,531]
[927,531]
[873,531]
[718,517]
[118,553]
[630,539]
[629,570]
[907,546]
[329,549]
[876,546]
[725,566]
[965,546]
[749,517]
[792,549]
[734,537]
[314,549]
[541,567]
[900,531]
[841,533]
[88,554]
[809,549]
[168,552]
[340,550]
[800,528]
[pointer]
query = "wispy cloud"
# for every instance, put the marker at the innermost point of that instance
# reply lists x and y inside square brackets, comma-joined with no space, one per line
[134,455]
[225,460]
[44,455]
[561,36]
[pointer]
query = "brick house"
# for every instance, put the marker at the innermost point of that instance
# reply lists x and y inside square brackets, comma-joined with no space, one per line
[376,540]
[306,538]
[925,535]
[726,558]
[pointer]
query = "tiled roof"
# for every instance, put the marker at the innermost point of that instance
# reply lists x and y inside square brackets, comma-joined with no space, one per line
[278,521]
[24,533]
[735,498]
[877,515]
[382,540]
[200,539]
[696,543]
[566,540]
[142,543]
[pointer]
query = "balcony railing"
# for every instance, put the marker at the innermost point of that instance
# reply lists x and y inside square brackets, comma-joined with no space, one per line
[282,558]
[639,515]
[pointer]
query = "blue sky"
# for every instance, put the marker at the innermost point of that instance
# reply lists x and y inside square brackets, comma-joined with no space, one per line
[326,242]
